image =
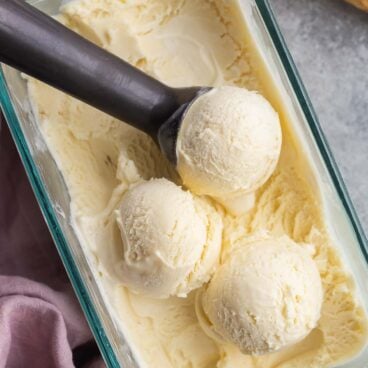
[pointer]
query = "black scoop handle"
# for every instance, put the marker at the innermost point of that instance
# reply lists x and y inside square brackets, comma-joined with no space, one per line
[39,46]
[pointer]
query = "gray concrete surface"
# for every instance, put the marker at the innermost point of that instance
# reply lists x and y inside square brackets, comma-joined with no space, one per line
[328,40]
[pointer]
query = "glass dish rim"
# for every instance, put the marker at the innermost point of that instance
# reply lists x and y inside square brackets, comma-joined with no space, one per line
[288,63]
[54,227]
[49,215]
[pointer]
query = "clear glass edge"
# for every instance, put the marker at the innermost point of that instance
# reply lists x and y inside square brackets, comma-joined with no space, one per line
[49,215]
[278,40]
[51,219]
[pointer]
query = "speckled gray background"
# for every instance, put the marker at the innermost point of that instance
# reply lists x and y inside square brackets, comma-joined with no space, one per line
[328,40]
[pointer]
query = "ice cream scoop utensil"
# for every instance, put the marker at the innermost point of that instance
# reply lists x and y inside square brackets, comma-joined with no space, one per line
[38,45]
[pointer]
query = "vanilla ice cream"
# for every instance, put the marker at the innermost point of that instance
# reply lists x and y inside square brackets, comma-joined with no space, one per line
[171,240]
[266,296]
[187,43]
[229,143]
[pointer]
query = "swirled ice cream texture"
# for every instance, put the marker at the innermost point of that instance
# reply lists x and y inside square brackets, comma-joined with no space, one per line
[186,43]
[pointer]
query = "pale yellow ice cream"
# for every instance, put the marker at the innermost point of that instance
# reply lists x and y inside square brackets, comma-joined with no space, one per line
[228,144]
[186,43]
[267,295]
[171,240]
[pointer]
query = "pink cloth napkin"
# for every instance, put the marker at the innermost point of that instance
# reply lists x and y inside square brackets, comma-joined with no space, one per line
[41,323]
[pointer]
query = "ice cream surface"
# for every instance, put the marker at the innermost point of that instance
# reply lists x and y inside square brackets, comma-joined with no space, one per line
[228,144]
[186,43]
[266,296]
[171,240]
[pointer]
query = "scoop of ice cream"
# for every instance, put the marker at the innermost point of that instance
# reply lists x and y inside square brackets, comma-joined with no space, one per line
[228,144]
[266,296]
[171,239]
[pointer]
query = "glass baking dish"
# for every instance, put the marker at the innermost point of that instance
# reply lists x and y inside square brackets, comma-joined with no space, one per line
[53,198]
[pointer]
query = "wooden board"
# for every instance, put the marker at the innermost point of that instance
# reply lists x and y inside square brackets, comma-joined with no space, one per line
[361,4]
